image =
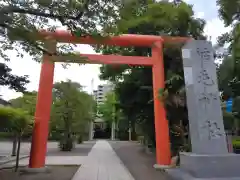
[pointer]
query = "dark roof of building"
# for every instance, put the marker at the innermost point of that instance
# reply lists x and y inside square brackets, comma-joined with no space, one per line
[4,102]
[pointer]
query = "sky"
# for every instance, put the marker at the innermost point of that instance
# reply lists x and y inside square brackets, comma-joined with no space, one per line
[84,74]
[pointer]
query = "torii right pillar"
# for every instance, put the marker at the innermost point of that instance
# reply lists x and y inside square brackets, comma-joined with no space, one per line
[209,158]
[163,151]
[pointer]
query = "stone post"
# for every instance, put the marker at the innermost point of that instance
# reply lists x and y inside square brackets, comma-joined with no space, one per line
[209,158]
[203,99]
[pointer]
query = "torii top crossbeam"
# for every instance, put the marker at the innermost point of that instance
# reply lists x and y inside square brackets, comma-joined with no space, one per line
[121,40]
[124,40]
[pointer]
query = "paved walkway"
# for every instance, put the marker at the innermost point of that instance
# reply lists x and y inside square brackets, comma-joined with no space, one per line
[138,162]
[54,155]
[102,163]
[53,160]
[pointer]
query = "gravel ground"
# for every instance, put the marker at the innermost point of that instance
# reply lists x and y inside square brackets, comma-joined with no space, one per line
[137,161]
[57,173]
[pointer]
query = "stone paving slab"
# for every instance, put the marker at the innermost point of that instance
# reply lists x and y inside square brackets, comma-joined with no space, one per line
[8,159]
[102,163]
[52,149]
[56,160]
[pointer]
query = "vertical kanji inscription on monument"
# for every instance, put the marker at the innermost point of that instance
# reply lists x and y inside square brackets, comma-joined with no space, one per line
[203,99]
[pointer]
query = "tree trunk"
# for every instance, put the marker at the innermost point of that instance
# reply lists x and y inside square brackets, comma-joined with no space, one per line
[18,152]
[14,147]
[236,126]
[134,136]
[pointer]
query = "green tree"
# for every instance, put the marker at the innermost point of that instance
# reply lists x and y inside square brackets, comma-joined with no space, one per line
[110,111]
[71,112]
[229,87]
[107,109]
[22,19]
[17,122]
[134,84]
[229,71]
[27,102]
[225,75]
[14,82]
[229,13]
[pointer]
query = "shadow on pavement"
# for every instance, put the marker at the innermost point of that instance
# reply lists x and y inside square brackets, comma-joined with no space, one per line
[139,164]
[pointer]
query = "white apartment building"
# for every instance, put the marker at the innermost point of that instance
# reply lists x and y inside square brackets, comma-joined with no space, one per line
[101,92]
[100,96]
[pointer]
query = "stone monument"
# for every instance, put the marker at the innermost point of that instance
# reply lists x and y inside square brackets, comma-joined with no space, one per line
[209,158]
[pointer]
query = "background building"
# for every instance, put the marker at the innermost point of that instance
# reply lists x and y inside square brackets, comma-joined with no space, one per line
[101,92]
[100,95]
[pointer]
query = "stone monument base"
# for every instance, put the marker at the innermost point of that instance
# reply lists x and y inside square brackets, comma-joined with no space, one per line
[207,167]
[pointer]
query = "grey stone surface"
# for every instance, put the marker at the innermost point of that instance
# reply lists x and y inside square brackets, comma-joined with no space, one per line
[203,101]
[178,174]
[206,167]
[210,166]
[55,160]
[9,159]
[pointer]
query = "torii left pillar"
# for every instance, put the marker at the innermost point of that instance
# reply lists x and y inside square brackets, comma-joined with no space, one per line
[43,110]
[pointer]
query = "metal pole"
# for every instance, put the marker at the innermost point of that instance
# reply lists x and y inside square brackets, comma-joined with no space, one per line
[113,118]
[92,120]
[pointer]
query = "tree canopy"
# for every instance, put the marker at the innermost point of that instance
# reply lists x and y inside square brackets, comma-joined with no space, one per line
[229,13]
[14,82]
[107,109]
[27,102]
[17,122]
[23,19]
[71,109]
[134,84]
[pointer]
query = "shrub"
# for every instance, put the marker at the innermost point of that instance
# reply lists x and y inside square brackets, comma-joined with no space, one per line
[236,142]
[6,135]
[17,122]
[80,139]
[228,120]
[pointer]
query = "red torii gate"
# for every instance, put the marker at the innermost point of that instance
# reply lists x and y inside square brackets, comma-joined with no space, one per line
[44,99]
